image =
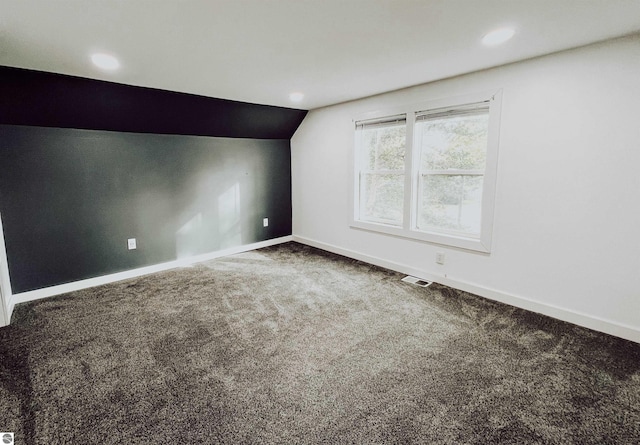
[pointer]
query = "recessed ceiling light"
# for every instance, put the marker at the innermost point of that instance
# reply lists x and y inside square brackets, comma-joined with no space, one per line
[105,61]
[498,36]
[296,97]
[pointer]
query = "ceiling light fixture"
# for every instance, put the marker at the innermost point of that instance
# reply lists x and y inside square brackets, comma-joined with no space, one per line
[296,97]
[105,61]
[498,36]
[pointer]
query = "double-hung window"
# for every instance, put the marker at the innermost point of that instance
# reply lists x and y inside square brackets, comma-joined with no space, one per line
[382,170]
[429,172]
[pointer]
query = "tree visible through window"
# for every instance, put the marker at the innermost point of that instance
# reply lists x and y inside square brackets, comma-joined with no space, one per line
[453,152]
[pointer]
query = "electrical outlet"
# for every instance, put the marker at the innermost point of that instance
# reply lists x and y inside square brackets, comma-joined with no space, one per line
[131,243]
[440,257]
[265,222]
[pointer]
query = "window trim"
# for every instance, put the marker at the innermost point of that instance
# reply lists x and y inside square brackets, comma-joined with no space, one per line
[408,230]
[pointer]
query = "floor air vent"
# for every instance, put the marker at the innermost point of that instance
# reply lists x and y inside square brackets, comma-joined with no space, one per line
[417,281]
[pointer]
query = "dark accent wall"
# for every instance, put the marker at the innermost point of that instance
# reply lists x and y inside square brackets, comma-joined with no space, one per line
[71,197]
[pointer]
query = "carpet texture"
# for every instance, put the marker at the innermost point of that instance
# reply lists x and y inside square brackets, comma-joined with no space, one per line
[293,345]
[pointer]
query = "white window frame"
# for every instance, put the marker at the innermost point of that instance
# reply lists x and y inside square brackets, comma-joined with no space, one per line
[408,229]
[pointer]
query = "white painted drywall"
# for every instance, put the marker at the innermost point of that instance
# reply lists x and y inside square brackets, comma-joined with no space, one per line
[567,219]
[5,284]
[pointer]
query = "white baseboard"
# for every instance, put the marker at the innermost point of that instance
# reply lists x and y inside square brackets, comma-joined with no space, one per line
[564,314]
[571,316]
[46,292]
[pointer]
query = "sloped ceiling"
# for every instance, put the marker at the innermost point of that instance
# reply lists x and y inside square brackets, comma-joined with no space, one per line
[44,99]
[260,51]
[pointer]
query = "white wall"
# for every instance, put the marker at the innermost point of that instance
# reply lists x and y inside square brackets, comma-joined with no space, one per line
[566,238]
[5,284]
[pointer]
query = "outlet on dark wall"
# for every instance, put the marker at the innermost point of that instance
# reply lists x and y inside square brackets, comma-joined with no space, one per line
[70,198]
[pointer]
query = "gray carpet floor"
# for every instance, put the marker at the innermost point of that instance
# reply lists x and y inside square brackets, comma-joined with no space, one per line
[293,345]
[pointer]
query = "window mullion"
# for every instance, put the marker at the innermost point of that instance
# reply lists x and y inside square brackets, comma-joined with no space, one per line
[414,176]
[418,178]
[407,220]
[356,193]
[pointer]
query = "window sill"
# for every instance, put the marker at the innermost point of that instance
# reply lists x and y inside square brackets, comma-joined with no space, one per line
[472,244]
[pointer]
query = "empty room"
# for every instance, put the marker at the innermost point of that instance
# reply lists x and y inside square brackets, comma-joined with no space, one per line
[319,222]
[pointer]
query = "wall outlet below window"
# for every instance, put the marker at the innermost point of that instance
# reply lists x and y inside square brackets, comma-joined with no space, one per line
[440,257]
[131,243]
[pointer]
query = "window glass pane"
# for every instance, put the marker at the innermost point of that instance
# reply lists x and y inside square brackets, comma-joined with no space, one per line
[383,147]
[454,142]
[381,197]
[450,203]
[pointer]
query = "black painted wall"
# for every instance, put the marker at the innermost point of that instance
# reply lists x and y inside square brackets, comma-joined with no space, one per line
[70,198]
[54,100]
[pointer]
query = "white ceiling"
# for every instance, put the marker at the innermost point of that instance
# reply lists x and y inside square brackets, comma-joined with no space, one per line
[261,50]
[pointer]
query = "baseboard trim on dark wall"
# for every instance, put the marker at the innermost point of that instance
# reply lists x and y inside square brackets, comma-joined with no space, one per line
[564,314]
[106,279]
